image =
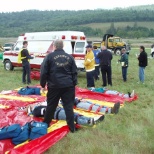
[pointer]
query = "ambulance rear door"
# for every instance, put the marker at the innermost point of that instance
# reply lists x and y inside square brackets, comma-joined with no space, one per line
[79,53]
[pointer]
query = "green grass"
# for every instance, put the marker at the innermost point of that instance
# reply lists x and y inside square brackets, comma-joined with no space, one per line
[105,26]
[131,131]
[6,40]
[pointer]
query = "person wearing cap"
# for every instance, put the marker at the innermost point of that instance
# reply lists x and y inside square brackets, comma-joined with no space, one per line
[124,64]
[105,58]
[97,72]
[89,64]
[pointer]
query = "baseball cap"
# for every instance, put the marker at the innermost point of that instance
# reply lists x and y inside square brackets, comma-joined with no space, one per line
[89,46]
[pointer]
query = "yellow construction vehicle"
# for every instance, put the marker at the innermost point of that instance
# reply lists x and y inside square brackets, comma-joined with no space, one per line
[114,44]
[97,43]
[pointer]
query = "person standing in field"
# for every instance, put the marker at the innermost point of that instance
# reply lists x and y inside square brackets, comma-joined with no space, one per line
[89,64]
[124,64]
[97,72]
[105,58]
[25,57]
[143,62]
[59,72]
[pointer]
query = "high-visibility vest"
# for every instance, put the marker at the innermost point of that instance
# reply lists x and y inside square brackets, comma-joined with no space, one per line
[19,56]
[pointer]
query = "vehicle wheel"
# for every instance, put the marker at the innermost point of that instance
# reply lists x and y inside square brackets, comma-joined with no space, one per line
[8,65]
[118,52]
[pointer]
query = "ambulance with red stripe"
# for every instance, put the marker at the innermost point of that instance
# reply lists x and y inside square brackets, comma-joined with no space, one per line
[41,43]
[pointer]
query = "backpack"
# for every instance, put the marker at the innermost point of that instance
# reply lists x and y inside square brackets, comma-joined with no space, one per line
[29,91]
[23,135]
[38,129]
[10,131]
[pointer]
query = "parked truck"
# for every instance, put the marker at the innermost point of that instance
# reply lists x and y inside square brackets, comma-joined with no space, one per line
[8,46]
[114,44]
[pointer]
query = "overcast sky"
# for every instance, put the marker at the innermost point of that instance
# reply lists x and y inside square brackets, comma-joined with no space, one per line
[21,5]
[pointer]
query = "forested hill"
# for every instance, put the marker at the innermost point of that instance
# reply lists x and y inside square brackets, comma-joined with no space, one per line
[12,24]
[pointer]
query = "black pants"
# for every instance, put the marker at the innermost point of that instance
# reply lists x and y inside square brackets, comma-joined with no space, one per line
[90,78]
[67,96]
[106,75]
[97,73]
[26,72]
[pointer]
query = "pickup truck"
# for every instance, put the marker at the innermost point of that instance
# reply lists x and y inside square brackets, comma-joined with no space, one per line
[8,46]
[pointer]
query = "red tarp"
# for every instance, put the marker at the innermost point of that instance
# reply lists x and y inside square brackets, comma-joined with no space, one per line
[85,93]
[12,115]
[43,143]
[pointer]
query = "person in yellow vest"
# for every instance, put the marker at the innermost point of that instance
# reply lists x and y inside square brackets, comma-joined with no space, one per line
[25,57]
[89,64]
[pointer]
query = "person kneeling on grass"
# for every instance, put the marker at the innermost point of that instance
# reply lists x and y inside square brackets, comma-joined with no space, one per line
[39,109]
[90,106]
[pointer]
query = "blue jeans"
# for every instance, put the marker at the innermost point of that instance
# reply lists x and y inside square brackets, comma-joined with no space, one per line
[113,92]
[141,73]
[86,106]
[59,114]
[80,119]
[124,73]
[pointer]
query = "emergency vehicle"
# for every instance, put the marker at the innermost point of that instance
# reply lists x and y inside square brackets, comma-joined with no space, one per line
[41,43]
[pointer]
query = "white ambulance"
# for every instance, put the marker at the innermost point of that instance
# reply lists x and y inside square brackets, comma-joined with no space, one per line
[41,43]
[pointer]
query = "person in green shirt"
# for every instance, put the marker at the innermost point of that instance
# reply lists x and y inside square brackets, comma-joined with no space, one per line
[124,64]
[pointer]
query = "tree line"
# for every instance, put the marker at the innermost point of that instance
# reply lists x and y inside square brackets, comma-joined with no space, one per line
[14,23]
[131,32]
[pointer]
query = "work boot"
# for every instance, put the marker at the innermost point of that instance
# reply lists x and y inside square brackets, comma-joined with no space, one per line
[115,108]
[73,130]
[98,119]
[91,122]
[132,94]
[129,94]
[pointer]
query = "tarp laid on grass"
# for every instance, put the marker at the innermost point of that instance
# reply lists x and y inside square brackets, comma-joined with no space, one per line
[85,93]
[10,114]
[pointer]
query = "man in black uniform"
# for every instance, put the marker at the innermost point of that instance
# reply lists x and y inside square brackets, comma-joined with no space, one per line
[105,57]
[59,71]
[25,57]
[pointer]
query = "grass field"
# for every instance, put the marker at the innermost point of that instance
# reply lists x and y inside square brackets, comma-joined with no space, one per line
[105,26]
[6,40]
[131,131]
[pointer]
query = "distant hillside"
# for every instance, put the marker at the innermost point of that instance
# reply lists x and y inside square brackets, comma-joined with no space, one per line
[105,26]
[12,24]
